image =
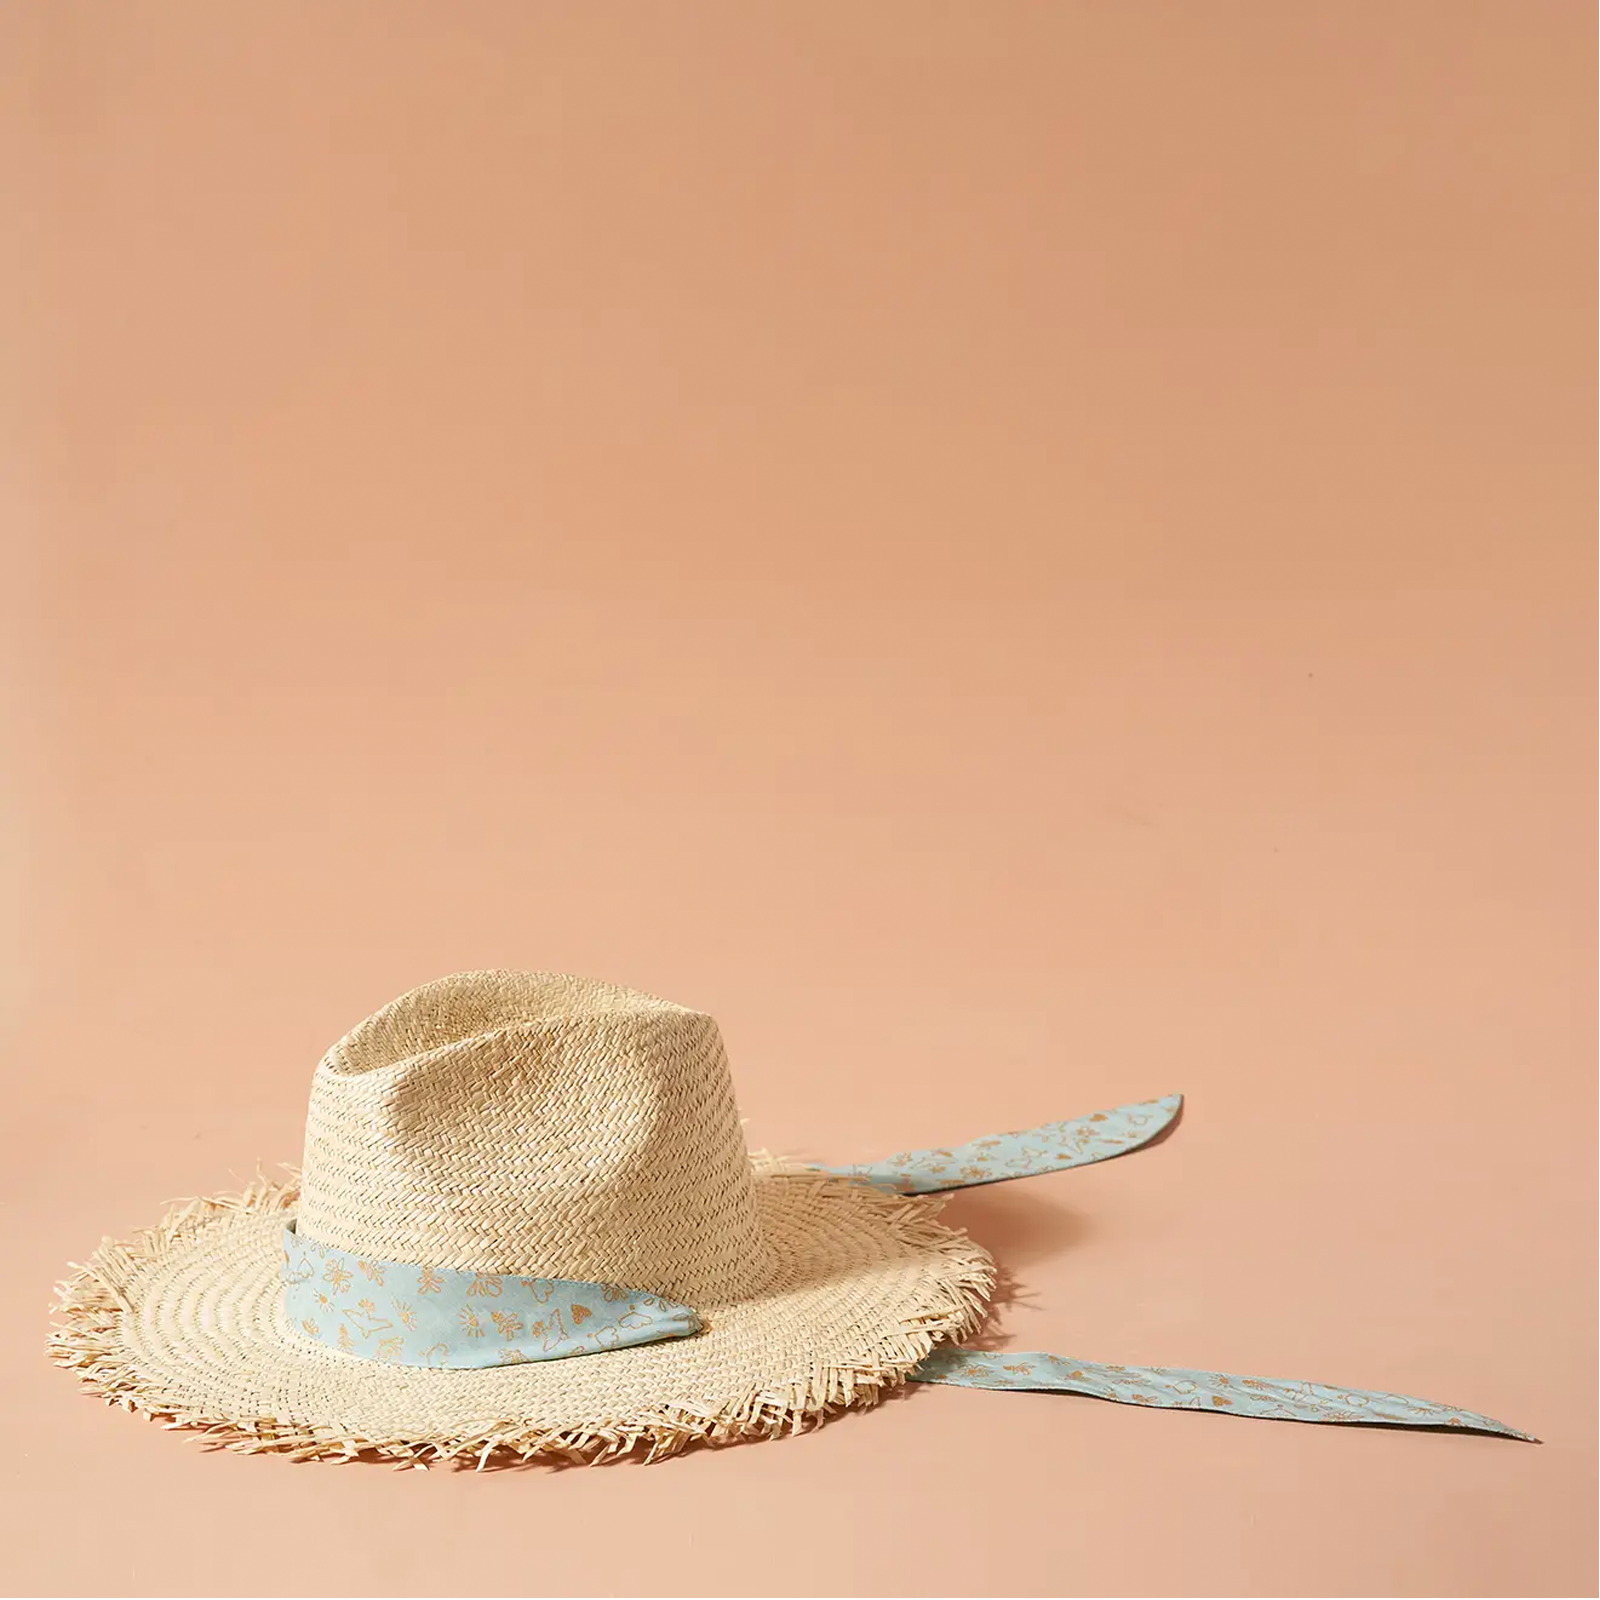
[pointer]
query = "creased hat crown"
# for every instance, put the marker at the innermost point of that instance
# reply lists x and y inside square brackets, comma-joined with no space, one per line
[539,1124]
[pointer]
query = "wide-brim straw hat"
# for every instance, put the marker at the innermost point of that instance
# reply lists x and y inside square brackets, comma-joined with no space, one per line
[532,1124]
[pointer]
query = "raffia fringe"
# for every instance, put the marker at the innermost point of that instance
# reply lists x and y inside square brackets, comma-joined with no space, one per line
[91,1305]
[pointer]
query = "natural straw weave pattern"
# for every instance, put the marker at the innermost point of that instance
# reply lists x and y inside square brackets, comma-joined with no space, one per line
[509,1122]
[528,1122]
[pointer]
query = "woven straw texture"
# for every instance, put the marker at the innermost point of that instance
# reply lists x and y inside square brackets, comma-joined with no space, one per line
[530,1123]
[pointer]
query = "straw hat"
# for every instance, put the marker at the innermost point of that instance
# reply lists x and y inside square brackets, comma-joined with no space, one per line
[534,1130]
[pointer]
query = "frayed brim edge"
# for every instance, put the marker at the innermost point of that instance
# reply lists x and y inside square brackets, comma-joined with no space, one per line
[91,1305]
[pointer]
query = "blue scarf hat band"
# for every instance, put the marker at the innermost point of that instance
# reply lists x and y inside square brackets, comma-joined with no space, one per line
[421,1315]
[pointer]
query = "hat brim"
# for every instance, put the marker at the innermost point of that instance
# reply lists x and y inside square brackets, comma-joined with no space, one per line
[185,1323]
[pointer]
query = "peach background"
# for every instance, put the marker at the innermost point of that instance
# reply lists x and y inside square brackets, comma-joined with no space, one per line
[1023,555]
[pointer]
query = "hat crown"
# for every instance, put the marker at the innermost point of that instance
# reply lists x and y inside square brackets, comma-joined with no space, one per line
[538,1124]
